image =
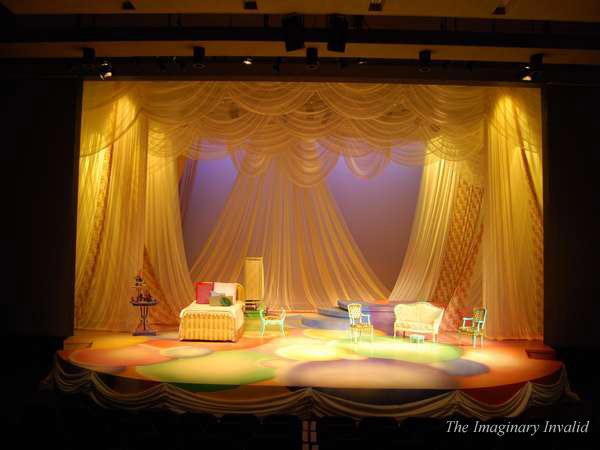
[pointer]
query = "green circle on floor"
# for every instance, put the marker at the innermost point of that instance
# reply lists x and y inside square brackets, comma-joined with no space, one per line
[233,367]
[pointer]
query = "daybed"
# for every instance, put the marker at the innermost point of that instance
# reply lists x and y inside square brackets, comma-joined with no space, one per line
[204,322]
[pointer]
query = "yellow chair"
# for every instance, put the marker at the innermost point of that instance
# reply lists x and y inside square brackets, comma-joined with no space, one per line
[474,326]
[359,322]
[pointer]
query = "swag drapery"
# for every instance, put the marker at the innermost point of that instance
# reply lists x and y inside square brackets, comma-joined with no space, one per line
[284,139]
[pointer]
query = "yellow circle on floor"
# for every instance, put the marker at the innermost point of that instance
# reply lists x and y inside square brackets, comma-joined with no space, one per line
[315,352]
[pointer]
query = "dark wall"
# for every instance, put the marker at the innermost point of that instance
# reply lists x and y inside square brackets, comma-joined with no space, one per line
[572,216]
[43,116]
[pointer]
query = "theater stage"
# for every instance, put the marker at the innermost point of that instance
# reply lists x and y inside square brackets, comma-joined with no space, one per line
[308,371]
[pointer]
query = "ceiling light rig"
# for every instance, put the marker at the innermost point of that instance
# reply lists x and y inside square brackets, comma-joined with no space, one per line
[533,70]
[127,6]
[376,5]
[162,65]
[105,70]
[499,11]
[89,55]
[337,33]
[199,58]
[293,32]
[425,61]
[90,64]
[312,58]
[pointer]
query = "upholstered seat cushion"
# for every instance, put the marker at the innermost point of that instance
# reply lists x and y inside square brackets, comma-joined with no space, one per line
[412,325]
[470,330]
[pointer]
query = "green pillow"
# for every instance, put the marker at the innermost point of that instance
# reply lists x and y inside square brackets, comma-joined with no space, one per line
[220,300]
[226,300]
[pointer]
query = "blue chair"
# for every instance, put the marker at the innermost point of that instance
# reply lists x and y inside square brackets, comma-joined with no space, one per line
[269,319]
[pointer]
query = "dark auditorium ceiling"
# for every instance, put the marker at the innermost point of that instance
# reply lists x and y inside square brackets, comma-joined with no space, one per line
[498,34]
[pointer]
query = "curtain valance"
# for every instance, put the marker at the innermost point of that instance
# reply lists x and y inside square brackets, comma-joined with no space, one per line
[256,121]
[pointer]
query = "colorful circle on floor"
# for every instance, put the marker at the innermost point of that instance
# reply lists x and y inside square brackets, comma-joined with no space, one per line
[366,374]
[461,367]
[233,367]
[117,341]
[315,352]
[185,352]
[134,355]
[398,349]
[316,333]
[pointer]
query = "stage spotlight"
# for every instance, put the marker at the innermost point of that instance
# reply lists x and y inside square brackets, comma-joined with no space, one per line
[376,5]
[362,61]
[533,70]
[89,55]
[127,6]
[162,65]
[247,61]
[105,70]
[425,61]
[338,33]
[277,65]
[250,5]
[199,54]
[293,32]
[312,58]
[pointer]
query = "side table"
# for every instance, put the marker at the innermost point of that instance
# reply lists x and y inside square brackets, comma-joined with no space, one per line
[143,329]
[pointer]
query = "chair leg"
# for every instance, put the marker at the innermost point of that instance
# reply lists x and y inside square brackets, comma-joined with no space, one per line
[434,337]
[481,338]
[474,339]
[262,329]
[282,329]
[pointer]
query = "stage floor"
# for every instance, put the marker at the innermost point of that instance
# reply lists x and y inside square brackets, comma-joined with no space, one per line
[309,357]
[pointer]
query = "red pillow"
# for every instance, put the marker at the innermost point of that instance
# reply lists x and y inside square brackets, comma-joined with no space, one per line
[203,290]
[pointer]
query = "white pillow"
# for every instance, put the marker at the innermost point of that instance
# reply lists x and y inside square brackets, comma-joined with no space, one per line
[228,289]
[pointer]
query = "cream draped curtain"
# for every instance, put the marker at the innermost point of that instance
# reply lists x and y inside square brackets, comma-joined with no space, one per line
[422,261]
[284,139]
[311,259]
[508,273]
[513,233]
[127,220]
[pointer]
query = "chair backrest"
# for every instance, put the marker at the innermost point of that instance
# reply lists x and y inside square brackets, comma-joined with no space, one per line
[479,316]
[399,309]
[261,314]
[354,312]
